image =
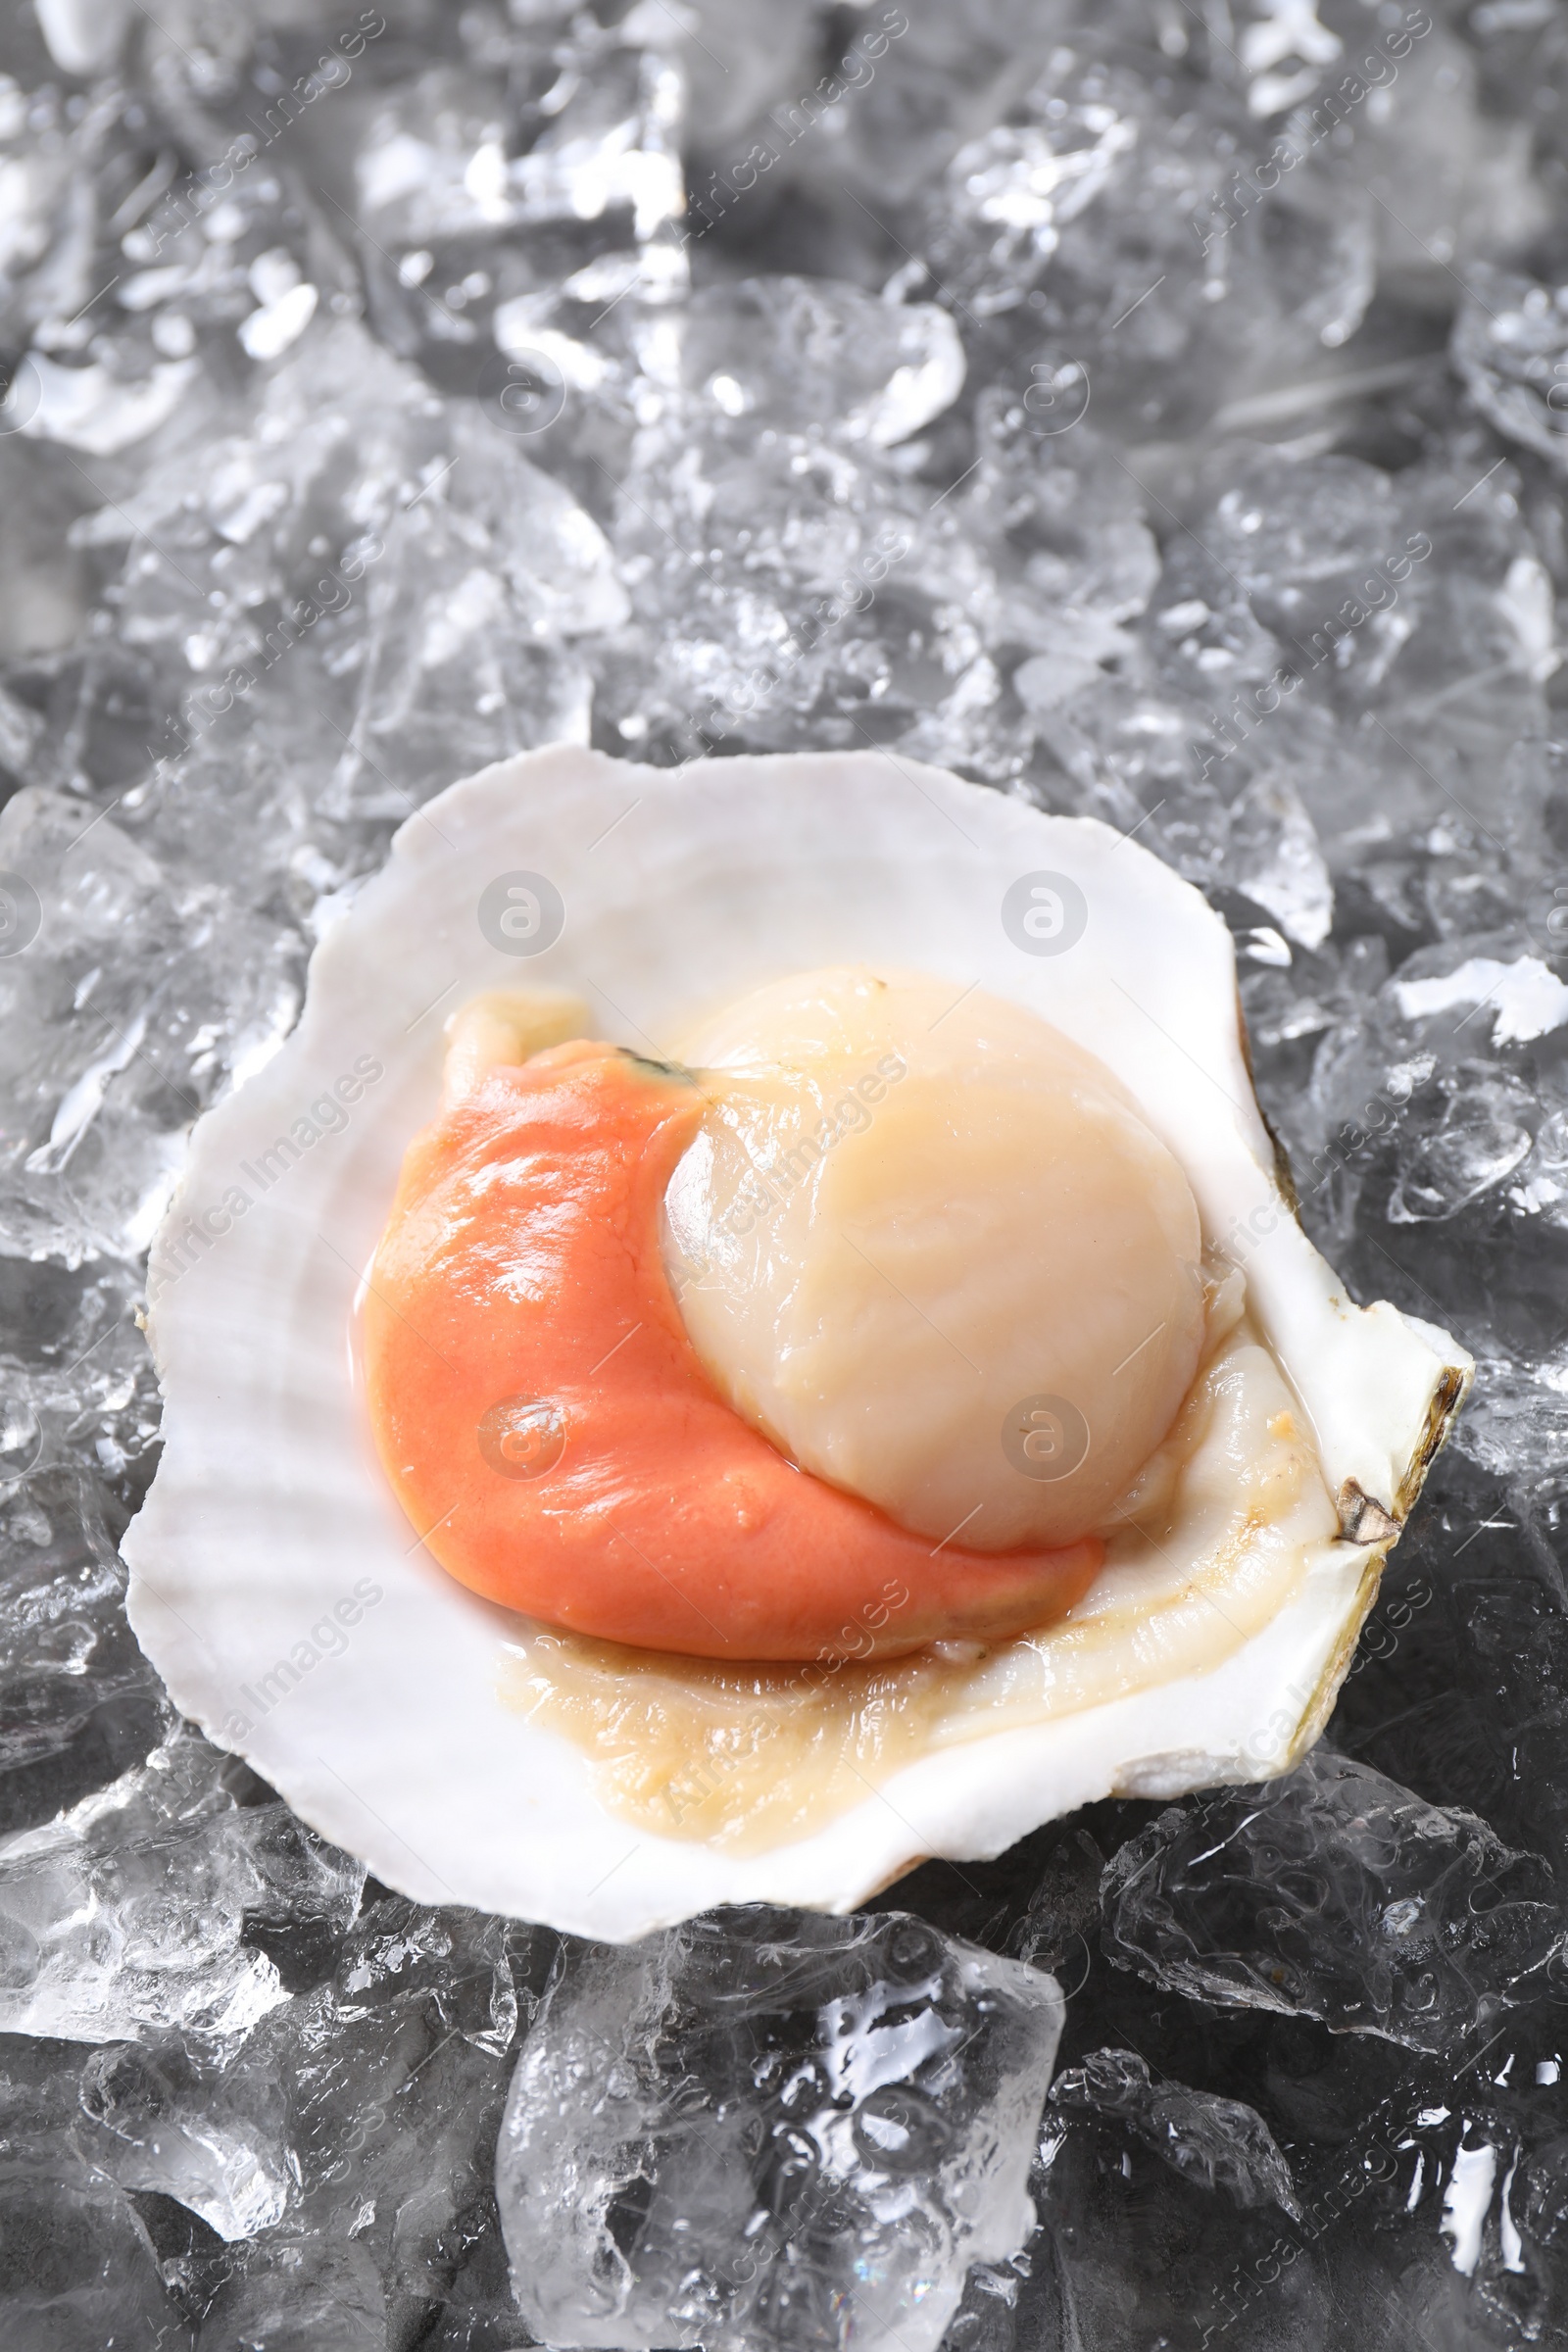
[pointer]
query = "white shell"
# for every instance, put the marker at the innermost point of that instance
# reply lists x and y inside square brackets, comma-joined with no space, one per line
[681,890]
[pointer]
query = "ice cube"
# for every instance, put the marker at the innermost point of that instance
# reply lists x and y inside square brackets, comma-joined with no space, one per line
[170,2117]
[765,2125]
[77,1695]
[1218,2143]
[1336,1893]
[77,2270]
[126,1916]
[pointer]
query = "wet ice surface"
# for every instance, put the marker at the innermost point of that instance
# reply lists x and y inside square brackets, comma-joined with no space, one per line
[765,2130]
[1335,1894]
[1220,2143]
[126,1915]
[1161,423]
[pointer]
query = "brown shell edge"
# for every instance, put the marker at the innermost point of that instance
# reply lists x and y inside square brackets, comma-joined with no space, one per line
[1361,1517]
[1356,1508]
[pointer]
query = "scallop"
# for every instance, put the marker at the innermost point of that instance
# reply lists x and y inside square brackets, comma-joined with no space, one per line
[837,944]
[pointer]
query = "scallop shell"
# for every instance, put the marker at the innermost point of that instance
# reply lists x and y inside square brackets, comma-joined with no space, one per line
[268,1528]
